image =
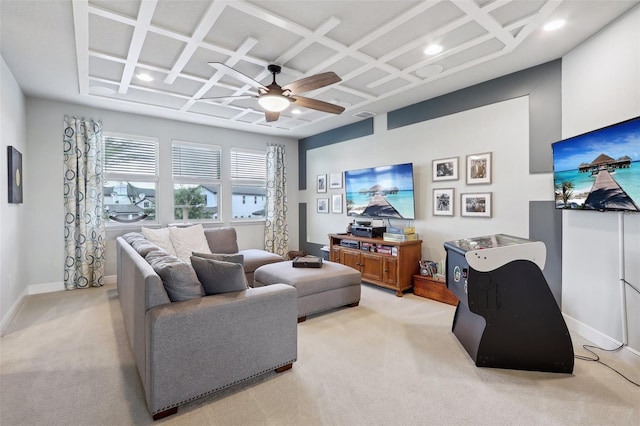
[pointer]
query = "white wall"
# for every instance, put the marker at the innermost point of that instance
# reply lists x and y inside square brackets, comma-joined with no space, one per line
[12,247]
[601,86]
[500,128]
[43,232]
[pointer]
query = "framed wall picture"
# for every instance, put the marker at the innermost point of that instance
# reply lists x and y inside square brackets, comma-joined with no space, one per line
[335,180]
[443,202]
[445,169]
[14,168]
[479,168]
[323,205]
[477,204]
[336,203]
[322,183]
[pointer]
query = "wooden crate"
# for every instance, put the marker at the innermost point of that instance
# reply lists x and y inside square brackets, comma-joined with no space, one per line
[433,288]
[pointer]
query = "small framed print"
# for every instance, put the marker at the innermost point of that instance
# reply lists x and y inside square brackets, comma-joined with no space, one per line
[479,168]
[323,205]
[14,167]
[443,202]
[335,180]
[336,203]
[322,183]
[476,204]
[445,169]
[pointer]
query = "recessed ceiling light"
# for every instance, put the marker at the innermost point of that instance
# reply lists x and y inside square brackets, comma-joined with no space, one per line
[144,77]
[296,111]
[429,71]
[433,49]
[554,25]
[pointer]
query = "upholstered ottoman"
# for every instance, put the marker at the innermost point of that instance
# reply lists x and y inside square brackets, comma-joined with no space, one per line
[319,289]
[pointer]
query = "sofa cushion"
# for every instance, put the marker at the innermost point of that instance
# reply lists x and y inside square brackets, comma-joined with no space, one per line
[222,240]
[161,238]
[179,279]
[218,276]
[188,240]
[233,258]
[144,247]
[130,237]
[254,258]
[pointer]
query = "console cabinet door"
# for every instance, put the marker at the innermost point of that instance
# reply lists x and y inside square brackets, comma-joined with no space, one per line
[372,266]
[350,258]
[335,254]
[390,270]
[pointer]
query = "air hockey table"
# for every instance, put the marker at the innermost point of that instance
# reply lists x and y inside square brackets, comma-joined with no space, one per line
[507,316]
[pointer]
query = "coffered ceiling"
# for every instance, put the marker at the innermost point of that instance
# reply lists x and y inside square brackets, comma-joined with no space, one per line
[93,52]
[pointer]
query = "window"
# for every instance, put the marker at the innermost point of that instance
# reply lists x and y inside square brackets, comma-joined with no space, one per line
[249,178]
[196,180]
[130,178]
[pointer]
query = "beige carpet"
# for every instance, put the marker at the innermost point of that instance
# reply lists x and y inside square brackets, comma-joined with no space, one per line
[65,360]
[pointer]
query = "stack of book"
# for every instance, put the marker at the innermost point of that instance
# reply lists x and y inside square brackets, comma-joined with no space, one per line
[400,235]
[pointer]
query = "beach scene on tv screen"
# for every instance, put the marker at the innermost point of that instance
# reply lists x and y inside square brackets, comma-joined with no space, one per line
[599,170]
[385,191]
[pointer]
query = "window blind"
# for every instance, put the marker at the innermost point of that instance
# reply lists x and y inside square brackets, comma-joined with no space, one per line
[249,165]
[129,156]
[196,161]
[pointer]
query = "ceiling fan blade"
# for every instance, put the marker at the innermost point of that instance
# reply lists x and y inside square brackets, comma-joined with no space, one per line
[317,105]
[271,116]
[227,98]
[313,82]
[237,74]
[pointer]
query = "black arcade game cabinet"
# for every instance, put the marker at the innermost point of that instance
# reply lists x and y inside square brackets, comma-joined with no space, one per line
[507,316]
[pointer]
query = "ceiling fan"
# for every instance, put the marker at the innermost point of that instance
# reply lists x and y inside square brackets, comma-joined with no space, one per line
[275,98]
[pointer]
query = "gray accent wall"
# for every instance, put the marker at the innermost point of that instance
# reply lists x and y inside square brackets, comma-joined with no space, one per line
[310,248]
[541,83]
[545,224]
[341,134]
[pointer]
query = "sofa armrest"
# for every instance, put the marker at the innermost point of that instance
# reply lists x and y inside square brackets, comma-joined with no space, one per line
[203,345]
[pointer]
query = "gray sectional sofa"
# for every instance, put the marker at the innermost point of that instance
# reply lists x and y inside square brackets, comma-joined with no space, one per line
[188,349]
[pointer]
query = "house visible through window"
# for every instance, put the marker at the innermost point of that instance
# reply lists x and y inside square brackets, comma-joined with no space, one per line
[130,178]
[196,171]
[249,178]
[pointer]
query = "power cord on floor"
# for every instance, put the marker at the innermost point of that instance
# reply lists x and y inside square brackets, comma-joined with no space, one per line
[597,359]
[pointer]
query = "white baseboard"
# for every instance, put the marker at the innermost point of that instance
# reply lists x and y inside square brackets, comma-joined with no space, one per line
[13,310]
[45,288]
[602,340]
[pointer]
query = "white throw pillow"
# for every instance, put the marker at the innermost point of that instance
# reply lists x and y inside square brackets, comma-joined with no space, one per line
[160,237]
[188,240]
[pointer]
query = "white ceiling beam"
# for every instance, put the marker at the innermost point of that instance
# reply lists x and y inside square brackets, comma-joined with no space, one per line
[145,13]
[81,30]
[204,26]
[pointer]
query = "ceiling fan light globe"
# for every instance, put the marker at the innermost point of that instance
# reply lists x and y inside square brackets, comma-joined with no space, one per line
[273,103]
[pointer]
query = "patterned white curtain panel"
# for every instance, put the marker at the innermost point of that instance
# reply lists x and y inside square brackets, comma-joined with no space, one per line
[276,232]
[84,229]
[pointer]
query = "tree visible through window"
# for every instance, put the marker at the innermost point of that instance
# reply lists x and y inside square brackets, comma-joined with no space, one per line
[196,180]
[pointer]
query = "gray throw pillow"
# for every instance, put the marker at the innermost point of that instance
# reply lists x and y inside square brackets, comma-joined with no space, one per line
[179,279]
[233,258]
[130,237]
[144,247]
[219,277]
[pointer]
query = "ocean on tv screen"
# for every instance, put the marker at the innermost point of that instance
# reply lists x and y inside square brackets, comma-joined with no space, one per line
[599,170]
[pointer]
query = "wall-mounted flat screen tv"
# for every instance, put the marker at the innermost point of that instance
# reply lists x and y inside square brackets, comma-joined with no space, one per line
[379,192]
[599,170]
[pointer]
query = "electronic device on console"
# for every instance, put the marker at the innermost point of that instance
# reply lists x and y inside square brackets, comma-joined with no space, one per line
[368,231]
[350,243]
